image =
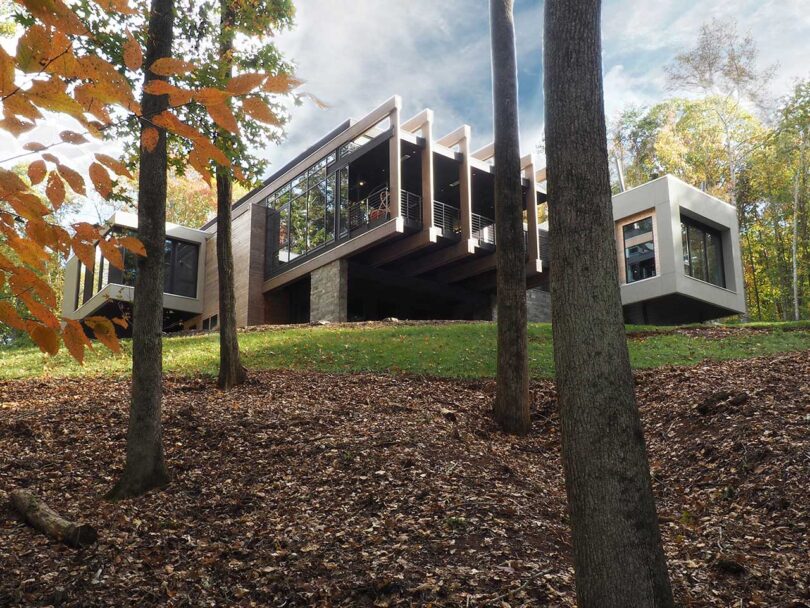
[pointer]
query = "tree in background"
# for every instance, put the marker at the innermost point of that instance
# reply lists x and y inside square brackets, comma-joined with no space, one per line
[145,467]
[618,556]
[512,390]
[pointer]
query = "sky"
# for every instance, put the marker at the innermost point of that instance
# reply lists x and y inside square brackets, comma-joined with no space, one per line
[355,54]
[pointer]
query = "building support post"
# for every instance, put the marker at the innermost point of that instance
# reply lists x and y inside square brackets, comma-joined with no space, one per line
[533,243]
[395,160]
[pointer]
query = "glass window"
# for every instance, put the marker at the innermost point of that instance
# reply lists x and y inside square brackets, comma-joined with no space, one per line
[298,227]
[329,213]
[702,252]
[639,250]
[299,185]
[344,201]
[180,268]
[316,228]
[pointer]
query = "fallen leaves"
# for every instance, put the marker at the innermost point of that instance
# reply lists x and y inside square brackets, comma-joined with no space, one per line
[305,489]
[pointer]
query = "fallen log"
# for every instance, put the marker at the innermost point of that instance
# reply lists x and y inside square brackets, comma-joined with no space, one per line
[49,522]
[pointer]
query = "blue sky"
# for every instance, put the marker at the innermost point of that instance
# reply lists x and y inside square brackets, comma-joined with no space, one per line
[355,54]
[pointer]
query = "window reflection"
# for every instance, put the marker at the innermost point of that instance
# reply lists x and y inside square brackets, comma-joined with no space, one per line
[702,252]
[639,250]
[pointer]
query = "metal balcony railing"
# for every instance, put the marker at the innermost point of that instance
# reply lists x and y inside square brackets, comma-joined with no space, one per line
[411,206]
[483,229]
[445,217]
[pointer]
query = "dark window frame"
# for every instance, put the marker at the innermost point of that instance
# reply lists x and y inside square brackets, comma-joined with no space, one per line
[703,230]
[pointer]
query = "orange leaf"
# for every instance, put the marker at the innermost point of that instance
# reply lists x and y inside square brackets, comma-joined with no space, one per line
[104,331]
[84,251]
[149,139]
[244,83]
[110,250]
[223,116]
[72,137]
[169,66]
[133,244]
[44,337]
[177,96]
[10,182]
[133,56]
[256,108]
[101,180]
[282,83]
[120,322]
[37,171]
[15,126]
[73,178]
[9,316]
[40,311]
[114,164]
[6,73]
[55,190]
[23,280]
[209,95]
[75,339]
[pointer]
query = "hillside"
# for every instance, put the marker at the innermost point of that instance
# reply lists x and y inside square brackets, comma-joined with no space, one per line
[368,489]
[447,349]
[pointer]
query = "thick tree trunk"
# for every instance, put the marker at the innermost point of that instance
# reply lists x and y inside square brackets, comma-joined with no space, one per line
[618,556]
[512,392]
[49,522]
[145,467]
[231,371]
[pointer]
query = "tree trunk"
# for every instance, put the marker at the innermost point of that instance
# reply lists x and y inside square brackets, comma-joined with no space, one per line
[512,391]
[145,467]
[618,556]
[231,371]
[795,239]
[49,522]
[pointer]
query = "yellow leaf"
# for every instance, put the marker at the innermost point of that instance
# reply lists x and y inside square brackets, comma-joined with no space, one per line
[37,171]
[133,244]
[55,14]
[149,139]
[44,337]
[256,108]
[33,49]
[223,116]
[114,164]
[169,66]
[55,190]
[244,83]
[133,56]
[73,178]
[9,316]
[72,137]
[101,180]
[110,250]
[104,331]
[75,339]
[19,105]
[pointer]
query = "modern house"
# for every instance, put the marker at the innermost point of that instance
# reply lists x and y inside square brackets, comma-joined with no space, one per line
[379,219]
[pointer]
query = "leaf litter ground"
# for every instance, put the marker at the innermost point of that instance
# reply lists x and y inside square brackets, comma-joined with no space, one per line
[380,490]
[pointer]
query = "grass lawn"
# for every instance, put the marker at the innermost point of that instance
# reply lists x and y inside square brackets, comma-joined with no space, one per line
[459,350]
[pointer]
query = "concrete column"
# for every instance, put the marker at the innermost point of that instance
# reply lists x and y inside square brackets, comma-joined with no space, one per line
[533,249]
[427,172]
[394,157]
[538,306]
[465,187]
[328,292]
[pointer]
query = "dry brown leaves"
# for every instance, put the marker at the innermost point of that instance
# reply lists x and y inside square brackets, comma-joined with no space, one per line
[360,490]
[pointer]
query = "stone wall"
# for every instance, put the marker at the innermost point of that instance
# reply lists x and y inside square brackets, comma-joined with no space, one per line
[328,293]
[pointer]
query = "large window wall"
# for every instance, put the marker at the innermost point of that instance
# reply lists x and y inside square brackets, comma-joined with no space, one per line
[702,252]
[181,259]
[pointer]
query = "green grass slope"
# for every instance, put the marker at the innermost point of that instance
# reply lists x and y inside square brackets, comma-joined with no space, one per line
[456,350]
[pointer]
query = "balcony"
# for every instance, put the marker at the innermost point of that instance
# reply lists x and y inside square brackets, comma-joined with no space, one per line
[483,229]
[446,218]
[376,208]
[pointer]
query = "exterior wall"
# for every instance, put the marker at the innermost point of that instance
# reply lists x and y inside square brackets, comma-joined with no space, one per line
[329,291]
[666,199]
[248,264]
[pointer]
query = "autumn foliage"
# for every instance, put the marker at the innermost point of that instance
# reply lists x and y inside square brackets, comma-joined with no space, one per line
[49,75]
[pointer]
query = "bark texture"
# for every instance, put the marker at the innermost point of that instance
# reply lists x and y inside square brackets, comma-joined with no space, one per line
[618,557]
[511,409]
[49,522]
[145,466]
[231,371]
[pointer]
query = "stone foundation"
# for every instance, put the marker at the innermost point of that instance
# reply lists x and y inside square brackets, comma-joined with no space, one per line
[328,293]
